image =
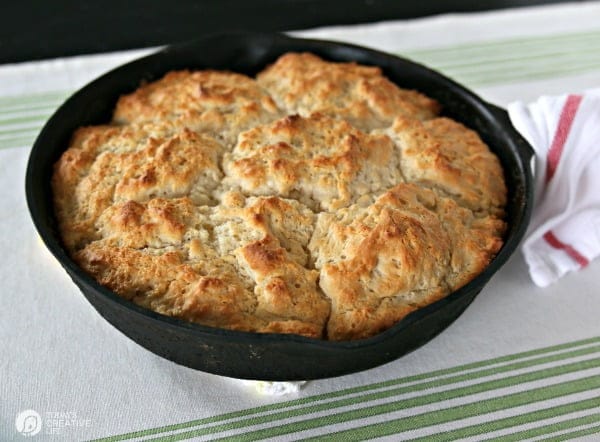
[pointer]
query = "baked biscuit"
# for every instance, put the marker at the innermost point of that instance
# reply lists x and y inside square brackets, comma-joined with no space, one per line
[173,257]
[112,164]
[446,156]
[220,104]
[320,199]
[323,162]
[406,250]
[362,95]
[212,293]
[268,237]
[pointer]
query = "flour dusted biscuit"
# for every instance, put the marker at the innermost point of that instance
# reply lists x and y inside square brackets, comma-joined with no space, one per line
[320,199]
[407,249]
[269,236]
[323,162]
[174,257]
[161,280]
[362,95]
[221,104]
[445,155]
[239,220]
[107,165]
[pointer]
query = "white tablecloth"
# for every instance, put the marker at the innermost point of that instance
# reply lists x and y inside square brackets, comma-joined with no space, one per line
[521,361]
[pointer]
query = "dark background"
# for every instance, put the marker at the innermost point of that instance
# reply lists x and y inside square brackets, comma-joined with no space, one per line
[32,30]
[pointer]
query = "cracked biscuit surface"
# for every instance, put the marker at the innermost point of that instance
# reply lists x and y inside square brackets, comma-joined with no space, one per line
[361,95]
[221,104]
[323,162]
[318,199]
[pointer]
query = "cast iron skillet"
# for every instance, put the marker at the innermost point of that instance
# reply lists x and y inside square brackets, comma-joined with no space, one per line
[272,356]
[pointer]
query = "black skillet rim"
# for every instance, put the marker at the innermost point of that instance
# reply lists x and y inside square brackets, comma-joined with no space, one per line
[493,113]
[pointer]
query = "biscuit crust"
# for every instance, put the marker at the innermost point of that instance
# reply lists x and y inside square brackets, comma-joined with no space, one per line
[219,103]
[362,95]
[323,162]
[318,199]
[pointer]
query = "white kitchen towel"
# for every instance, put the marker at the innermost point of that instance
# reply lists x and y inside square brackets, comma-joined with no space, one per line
[564,234]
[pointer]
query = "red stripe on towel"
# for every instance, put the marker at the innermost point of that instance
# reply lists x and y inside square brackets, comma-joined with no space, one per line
[558,244]
[565,122]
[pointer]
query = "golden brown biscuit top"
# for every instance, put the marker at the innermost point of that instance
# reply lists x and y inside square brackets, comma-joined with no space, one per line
[404,251]
[220,104]
[448,157]
[362,95]
[320,199]
[323,162]
[107,165]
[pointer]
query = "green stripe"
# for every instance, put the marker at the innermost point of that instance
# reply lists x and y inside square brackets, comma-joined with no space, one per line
[23,135]
[459,60]
[530,43]
[12,134]
[4,133]
[531,67]
[37,107]
[520,75]
[25,107]
[520,69]
[522,419]
[17,141]
[38,118]
[530,61]
[550,428]
[575,434]
[535,73]
[20,131]
[41,97]
[430,418]
[515,59]
[374,410]
[359,389]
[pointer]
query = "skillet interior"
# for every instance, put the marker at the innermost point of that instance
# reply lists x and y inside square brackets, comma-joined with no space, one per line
[273,356]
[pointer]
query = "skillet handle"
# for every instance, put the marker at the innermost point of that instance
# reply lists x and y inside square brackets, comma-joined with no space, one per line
[524,149]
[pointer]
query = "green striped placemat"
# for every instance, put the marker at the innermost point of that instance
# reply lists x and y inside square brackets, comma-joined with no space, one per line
[515,59]
[475,64]
[557,388]
[22,117]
